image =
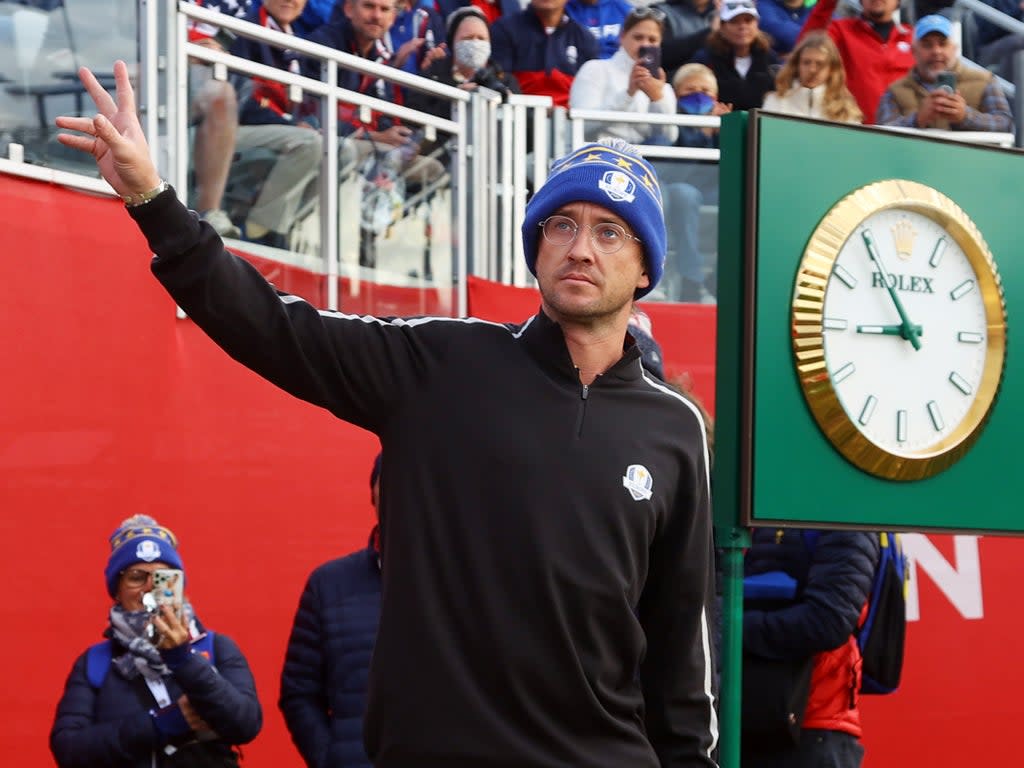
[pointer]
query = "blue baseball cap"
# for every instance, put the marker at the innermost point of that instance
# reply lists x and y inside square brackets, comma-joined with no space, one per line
[933,23]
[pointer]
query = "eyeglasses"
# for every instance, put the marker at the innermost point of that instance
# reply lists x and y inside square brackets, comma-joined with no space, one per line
[136,577]
[606,236]
[646,12]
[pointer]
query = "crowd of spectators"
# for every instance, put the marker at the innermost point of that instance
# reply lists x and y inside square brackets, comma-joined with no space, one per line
[709,57]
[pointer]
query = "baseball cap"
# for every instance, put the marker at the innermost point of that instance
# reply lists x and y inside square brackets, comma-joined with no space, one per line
[733,8]
[933,23]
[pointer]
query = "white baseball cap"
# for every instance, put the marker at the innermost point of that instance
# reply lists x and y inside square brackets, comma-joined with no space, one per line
[733,8]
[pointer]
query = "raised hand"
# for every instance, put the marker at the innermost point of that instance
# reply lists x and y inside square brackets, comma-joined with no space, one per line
[113,137]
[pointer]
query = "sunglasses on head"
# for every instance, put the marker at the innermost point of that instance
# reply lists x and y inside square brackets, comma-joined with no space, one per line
[648,12]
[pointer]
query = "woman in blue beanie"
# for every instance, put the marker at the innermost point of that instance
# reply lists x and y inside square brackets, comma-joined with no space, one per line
[160,690]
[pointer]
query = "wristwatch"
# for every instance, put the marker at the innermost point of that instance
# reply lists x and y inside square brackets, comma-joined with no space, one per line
[133,201]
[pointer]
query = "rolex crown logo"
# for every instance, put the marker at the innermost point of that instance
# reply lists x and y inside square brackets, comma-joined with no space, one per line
[903,235]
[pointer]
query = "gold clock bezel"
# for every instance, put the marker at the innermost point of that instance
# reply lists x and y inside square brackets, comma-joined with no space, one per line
[823,248]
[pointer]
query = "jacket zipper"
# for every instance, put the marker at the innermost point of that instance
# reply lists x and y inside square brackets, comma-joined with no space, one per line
[583,410]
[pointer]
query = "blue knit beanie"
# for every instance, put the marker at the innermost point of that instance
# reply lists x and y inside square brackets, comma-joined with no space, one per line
[612,175]
[139,539]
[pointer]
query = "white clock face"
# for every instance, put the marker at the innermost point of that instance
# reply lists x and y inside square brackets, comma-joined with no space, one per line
[904,331]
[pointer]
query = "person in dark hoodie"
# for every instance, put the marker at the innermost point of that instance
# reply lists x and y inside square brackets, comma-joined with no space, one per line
[740,55]
[162,690]
[467,62]
[327,665]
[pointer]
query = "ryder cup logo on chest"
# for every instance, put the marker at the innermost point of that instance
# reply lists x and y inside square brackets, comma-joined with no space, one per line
[618,186]
[147,551]
[638,482]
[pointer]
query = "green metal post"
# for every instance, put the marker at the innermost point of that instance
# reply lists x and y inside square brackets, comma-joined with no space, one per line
[732,545]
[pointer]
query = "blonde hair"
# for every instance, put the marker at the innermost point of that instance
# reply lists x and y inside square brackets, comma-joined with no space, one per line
[694,70]
[839,103]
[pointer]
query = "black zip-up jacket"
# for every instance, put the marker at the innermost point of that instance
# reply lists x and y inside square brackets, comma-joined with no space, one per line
[547,578]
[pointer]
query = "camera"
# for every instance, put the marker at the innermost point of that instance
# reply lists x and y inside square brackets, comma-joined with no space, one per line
[946,82]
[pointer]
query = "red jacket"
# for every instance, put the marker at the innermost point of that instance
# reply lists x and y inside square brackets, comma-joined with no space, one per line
[835,682]
[871,65]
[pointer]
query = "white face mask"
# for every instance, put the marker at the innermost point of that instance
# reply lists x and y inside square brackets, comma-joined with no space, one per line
[472,54]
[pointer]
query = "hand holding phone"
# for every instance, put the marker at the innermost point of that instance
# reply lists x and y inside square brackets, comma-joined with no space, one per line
[169,589]
[650,57]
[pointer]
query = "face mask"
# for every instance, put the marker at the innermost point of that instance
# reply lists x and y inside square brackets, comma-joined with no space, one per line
[472,54]
[696,103]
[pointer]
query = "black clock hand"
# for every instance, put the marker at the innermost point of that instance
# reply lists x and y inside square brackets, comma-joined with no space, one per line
[909,331]
[888,330]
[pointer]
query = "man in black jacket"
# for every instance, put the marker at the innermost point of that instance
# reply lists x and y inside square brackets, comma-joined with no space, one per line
[547,553]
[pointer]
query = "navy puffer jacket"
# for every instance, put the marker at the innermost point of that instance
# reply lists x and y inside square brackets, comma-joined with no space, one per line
[323,684]
[111,726]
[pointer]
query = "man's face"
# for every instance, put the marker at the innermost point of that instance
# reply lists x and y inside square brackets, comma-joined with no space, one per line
[580,283]
[284,11]
[933,53]
[548,6]
[880,10]
[371,19]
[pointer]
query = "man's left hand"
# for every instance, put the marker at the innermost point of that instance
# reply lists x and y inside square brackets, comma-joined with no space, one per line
[950,106]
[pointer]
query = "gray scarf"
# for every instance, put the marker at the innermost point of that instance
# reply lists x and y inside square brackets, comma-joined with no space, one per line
[131,629]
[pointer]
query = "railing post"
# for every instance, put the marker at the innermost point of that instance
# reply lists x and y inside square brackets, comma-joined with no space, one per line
[329,219]
[1018,99]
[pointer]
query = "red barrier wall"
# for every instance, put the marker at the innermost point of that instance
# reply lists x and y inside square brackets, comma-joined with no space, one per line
[113,406]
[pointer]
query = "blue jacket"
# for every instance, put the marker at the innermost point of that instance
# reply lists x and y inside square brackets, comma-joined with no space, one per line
[781,23]
[112,726]
[544,64]
[604,20]
[323,684]
[414,22]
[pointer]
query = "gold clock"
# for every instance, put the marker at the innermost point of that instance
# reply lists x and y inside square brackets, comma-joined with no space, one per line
[899,329]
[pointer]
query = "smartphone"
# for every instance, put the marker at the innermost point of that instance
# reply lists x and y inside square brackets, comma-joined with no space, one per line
[650,57]
[226,38]
[169,589]
[946,81]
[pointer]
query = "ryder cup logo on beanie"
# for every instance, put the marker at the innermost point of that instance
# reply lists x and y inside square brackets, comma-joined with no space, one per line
[148,551]
[613,175]
[139,539]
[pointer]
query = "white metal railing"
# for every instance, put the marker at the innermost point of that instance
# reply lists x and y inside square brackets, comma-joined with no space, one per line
[174,92]
[990,138]
[500,149]
[580,118]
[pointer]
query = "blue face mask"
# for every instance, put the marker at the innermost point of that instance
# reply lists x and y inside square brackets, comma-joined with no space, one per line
[696,103]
